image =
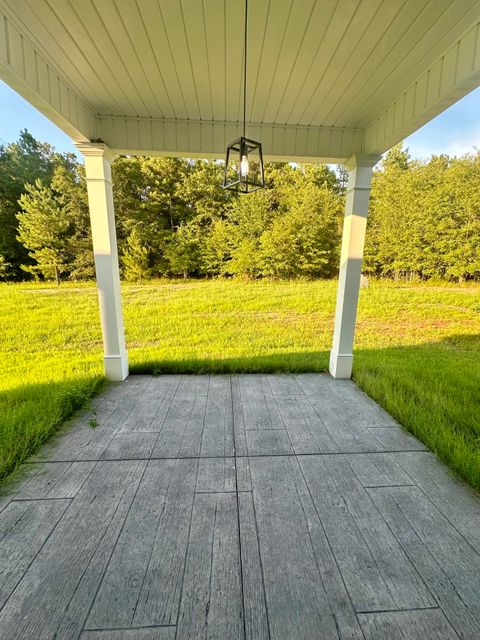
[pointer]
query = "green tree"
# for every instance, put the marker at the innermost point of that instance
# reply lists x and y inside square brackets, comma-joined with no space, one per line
[425,218]
[21,163]
[69,189]
[201,191]
[45,231]
[248,218]
[145,197]
[217,249]
[303,241]
[184,251]
[4,268]
[389,247]
[136,258]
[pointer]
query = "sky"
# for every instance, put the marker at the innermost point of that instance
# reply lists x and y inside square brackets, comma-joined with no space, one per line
[455,131]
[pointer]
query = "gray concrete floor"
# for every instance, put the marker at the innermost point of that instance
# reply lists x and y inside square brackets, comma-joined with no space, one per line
[252,506]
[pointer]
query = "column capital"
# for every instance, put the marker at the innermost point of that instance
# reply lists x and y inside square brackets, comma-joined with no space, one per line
[362,160]
[96,150]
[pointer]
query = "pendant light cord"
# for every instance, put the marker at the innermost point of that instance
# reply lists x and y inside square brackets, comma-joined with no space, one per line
[245,70]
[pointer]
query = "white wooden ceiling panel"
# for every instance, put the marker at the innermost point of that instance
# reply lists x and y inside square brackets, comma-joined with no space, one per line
[49,29]
[300,19]
[444,22]
[400,29]
[314,62]
[196,37]
[234,58]
[133,31]
[351,60]
[95,39]
[128,47]
[173,17]
[279,20]
[355,36]
[262,62]
[90,60]
[160,41]
[305,59]
[344,13]
[311,63]
[215,19]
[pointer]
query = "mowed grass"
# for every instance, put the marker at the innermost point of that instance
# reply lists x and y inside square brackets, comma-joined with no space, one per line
[417,350]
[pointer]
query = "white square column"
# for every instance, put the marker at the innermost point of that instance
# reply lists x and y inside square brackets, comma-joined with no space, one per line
[102,219]
[360,169]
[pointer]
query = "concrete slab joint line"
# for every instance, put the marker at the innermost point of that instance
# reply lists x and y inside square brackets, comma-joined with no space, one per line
[244,506]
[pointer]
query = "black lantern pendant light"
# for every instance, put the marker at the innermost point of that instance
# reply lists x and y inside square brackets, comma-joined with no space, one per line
[244,161]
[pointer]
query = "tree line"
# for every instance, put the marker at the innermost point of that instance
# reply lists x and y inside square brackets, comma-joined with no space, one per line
[174,219]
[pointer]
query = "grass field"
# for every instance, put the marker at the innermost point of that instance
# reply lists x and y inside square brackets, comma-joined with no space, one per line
[417,350]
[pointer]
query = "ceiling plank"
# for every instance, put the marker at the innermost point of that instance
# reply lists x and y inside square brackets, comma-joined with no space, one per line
[343,15]
[127,51]
[452,19]
[302,20]
[352,61]
[449,78]
[134,27]
[195,30]
[215,18]
[173,17]
[27,72]
[114,98]
[306,56]
[160,42]
[147,136]
[46,31]
[275,28]
[234,55]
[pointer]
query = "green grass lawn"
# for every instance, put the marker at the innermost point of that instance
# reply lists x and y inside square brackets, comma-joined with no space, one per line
[417,350]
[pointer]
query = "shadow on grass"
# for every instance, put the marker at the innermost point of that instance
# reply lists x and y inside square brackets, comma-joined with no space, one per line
[31,413]
[309,362]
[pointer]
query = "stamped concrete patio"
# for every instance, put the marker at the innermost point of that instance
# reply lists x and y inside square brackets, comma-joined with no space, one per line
[253,506]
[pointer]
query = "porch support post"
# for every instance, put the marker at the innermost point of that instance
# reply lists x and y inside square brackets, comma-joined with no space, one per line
[102,219]
[356,210]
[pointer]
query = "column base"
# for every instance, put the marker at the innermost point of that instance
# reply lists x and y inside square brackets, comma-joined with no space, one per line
[340,365]
[116,367]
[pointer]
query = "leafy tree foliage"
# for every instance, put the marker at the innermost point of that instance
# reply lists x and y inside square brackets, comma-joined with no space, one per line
[304,239]
[53,225]
[184,250]
[424,218]
[21,163]
[4,268]
[174,219]
[44,231]
[136,258]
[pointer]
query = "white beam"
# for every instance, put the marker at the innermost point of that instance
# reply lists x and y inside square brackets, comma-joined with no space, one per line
[453,75]
[207,139]
[102,218]
[25,69]
[356,211]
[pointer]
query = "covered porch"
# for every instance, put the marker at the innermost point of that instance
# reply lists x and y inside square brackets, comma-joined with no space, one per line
[249,506]
[338,82]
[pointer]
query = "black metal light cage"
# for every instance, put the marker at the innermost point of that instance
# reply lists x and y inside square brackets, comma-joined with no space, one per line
[233,178]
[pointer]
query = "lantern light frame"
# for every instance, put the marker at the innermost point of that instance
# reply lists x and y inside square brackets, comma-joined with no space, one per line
[243,183]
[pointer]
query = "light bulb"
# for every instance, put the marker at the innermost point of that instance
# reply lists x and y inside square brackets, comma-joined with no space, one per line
[244,166]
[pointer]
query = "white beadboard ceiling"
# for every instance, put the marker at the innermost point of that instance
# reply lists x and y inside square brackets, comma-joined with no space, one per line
[312,63]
